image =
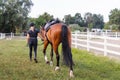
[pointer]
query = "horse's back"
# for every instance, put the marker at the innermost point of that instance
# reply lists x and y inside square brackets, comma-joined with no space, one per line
[55,33]
[56,27]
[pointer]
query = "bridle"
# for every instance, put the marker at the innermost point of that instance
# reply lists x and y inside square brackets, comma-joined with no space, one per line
[41,35]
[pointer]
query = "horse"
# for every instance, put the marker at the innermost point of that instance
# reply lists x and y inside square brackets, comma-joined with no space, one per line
[58,33]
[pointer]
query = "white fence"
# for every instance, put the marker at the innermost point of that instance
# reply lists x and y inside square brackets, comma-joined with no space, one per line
[105,43]
[2,35]
[10,36]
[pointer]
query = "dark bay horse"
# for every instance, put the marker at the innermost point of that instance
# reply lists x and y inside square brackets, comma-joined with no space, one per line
[58,33]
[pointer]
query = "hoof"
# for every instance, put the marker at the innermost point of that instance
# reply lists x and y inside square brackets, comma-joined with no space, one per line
[47,62]
[51,63]
[71,74]
[57,68]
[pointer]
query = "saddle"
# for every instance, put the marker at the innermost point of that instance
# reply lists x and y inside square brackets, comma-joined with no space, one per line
[50,23]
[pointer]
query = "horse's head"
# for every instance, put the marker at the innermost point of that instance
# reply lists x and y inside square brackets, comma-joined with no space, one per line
[42,33]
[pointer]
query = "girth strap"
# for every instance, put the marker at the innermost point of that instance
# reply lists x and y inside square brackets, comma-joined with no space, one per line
[47,37]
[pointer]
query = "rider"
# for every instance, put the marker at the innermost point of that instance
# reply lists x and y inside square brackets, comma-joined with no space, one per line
[32,41]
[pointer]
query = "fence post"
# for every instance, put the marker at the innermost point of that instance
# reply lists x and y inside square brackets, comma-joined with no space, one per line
[116,34]
[88,39]
[4,35]
[75,39]
[0,35]
[105,45]
[11,35]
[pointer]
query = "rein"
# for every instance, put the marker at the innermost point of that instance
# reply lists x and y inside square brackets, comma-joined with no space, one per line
[46,37]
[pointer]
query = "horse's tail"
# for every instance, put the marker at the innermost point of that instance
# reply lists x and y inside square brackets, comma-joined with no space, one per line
[66,49]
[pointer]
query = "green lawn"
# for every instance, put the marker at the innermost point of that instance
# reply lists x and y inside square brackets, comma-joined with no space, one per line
[15,65]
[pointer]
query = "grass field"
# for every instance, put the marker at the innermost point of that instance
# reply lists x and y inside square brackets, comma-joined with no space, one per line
[15,65]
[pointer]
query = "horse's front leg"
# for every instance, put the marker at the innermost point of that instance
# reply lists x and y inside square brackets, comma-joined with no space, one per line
[44,50]
[51,54]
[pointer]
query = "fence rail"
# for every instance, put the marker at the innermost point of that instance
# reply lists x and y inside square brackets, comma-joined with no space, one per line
[10,36]
[106,43]
[2,35]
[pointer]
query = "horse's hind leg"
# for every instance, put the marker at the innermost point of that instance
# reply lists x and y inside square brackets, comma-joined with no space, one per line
[71,69]
[51,54]
[57,57]
[44,50]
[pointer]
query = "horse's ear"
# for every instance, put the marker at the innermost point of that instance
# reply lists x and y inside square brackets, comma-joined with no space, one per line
[41,27]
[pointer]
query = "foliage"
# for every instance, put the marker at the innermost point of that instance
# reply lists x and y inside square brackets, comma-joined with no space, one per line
[78,19]
[90,20]
[14,17]
[107,26]
[115,27]
[41,20]
[14,14]
[114,18]
[94,20]
[15,65]
[76,27]
[98,21]
[68,19]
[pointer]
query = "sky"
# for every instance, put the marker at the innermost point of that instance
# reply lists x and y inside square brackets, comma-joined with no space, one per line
[60,8]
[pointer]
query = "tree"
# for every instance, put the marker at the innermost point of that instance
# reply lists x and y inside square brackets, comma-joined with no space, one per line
[107,26]
[98,21]
[114,18]
[78,19]
[94,20]
[68,19]
[14,14]
[88,19]
[43,19]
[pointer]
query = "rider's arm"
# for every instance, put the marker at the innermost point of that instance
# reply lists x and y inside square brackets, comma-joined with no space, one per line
[28,37]
[40,36]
